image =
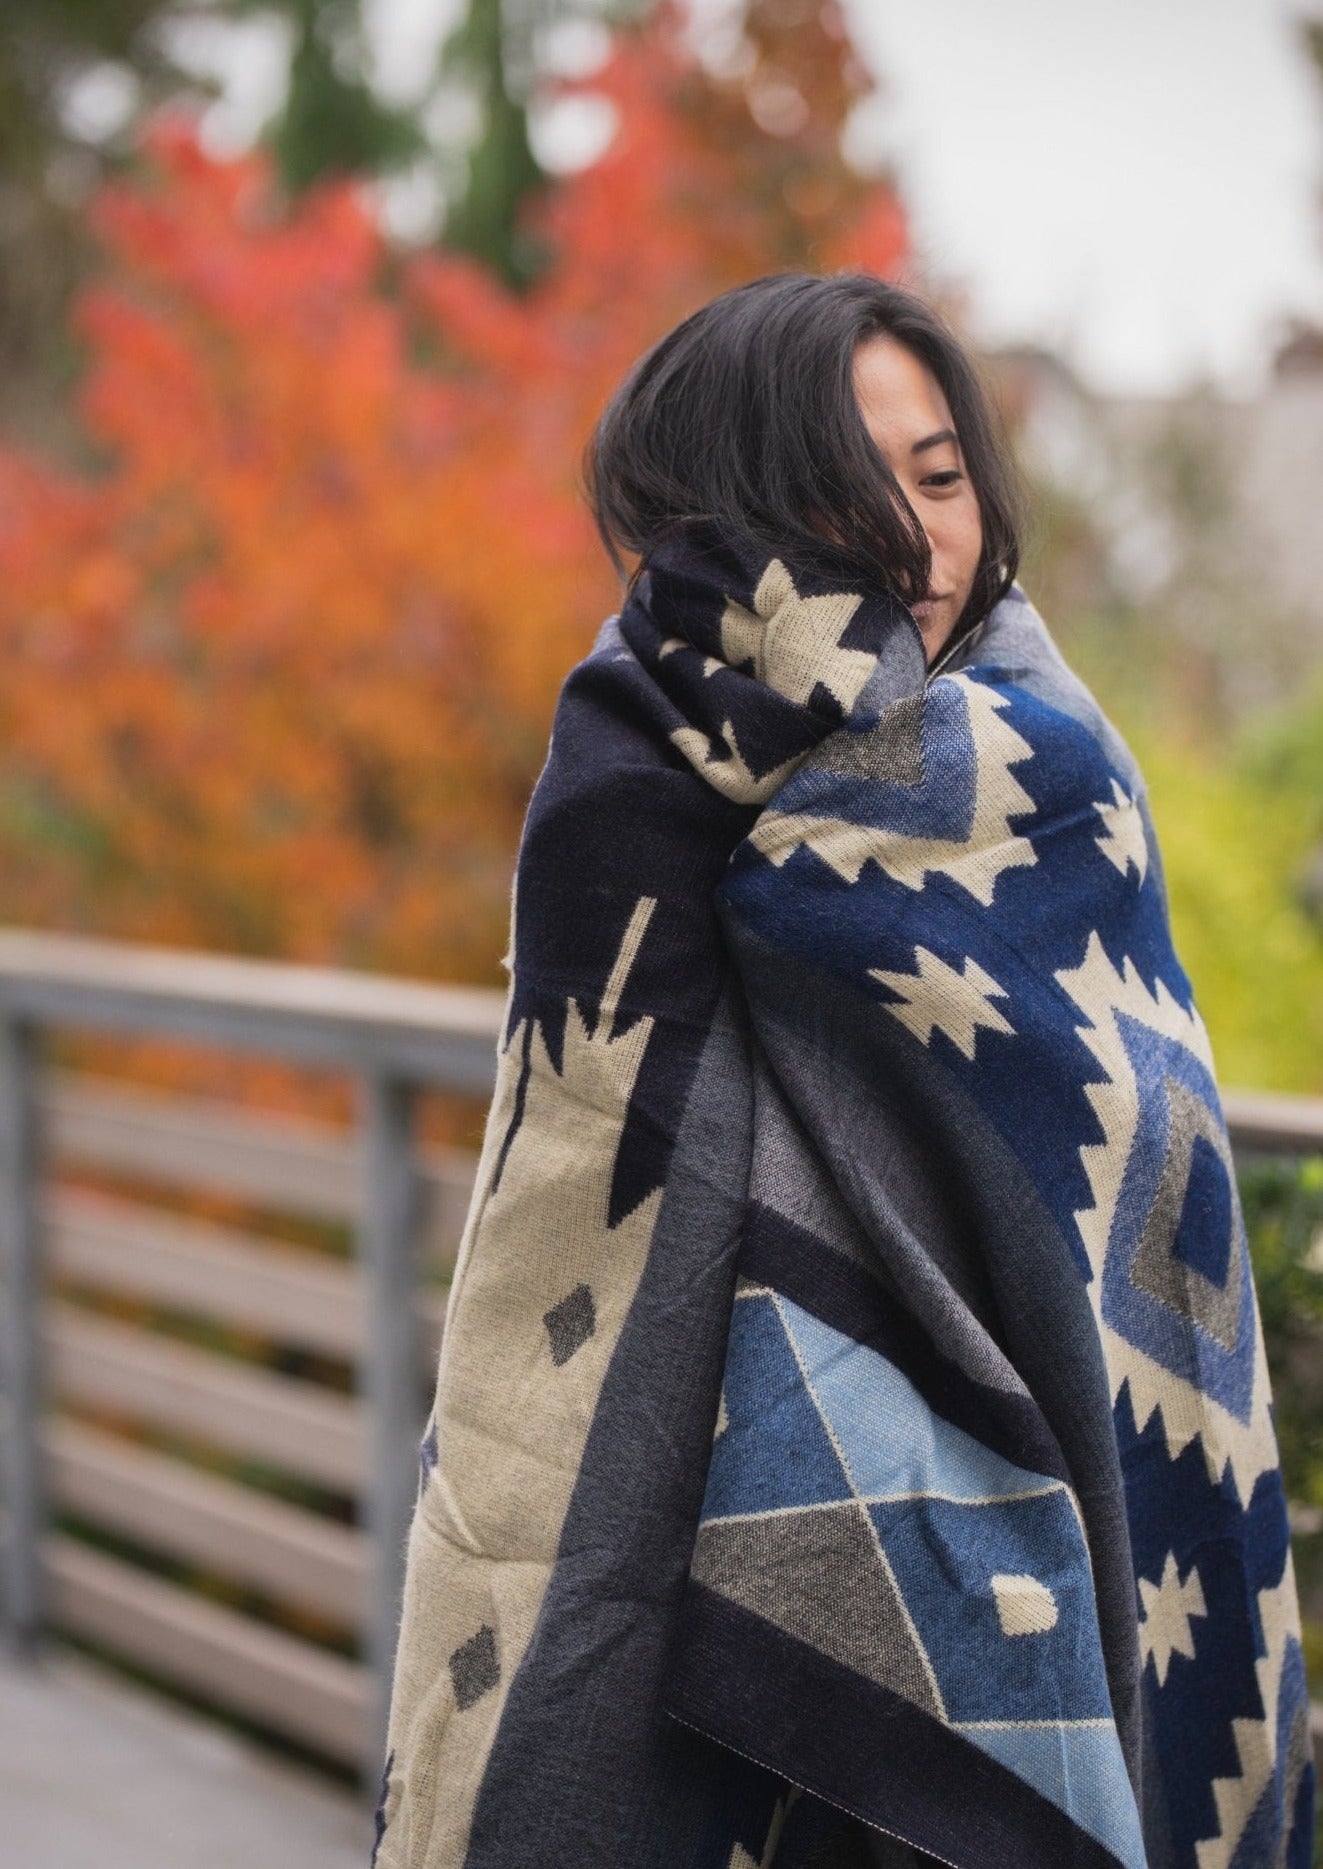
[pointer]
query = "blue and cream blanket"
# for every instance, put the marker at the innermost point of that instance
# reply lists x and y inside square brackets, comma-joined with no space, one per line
[852,1437]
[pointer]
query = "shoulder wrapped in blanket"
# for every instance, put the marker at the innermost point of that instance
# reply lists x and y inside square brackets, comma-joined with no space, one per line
[852,1436]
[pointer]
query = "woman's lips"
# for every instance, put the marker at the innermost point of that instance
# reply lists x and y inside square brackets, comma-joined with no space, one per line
[926,605]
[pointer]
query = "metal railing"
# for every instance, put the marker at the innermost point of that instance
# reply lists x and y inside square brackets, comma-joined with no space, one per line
[372,1313]
[167,1441]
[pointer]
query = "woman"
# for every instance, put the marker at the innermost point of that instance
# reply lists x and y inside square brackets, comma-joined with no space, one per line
[852,1438]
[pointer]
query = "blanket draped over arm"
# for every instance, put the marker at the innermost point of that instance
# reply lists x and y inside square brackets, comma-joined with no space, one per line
[853,1407]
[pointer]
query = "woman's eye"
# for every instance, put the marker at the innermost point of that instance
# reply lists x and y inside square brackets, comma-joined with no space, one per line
[947,478]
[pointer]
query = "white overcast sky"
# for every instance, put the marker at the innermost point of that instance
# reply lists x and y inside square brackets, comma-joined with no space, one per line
[1136,182]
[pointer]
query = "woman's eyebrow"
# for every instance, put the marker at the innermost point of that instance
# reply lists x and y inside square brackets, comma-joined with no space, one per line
[933,441]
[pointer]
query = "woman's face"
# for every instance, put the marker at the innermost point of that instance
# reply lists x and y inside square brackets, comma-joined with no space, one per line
[907,415]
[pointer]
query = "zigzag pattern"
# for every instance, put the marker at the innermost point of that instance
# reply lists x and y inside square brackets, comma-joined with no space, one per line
[1184,1410]
[976,861]
[1256,1740]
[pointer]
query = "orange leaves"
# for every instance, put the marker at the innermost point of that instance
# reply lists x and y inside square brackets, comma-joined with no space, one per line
[875,241]
[280,663]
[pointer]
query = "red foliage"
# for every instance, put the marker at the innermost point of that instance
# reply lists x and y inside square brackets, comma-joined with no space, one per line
[280,659]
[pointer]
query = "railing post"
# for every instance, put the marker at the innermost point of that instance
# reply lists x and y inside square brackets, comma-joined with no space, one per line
[389,1374]
[20,1251]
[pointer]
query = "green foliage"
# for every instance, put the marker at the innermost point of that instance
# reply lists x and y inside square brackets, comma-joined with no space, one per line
[1239,815]
[501,171]
[333,123]
[1233,846]
[1283,1203]
[1285,751]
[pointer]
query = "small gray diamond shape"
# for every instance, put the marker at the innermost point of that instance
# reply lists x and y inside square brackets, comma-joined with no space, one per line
[571,1323]
[474,1668]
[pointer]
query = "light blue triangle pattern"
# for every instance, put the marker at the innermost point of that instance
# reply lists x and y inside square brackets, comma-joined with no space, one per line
[773,1451]
[892,1441]
[1080,1769]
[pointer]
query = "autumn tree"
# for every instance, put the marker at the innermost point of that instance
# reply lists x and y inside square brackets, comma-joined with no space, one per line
[280,668]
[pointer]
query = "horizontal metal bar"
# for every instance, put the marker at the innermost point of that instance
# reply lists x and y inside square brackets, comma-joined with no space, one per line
[287,1553]
[281,1421]
[441,1035]
[285,1684]
[269,1158]
[266,1157]
[289,1294]
[1274,1124]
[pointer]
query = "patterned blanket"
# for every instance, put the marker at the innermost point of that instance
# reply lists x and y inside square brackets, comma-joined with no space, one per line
[852,1438]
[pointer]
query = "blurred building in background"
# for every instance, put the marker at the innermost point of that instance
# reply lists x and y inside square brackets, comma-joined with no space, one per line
[1203,505]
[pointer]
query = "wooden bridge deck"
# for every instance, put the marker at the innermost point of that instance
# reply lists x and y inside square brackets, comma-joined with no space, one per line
[98,1774]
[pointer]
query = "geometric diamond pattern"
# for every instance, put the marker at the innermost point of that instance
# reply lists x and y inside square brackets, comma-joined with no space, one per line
[571,1323]
[775,1451]
[1189,1256]
[1080,1769]
[891,1441]
[887,1612]
[945,1556]
[844,1510]
[474,1668]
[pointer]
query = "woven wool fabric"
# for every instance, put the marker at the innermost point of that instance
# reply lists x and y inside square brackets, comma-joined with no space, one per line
[852,1438]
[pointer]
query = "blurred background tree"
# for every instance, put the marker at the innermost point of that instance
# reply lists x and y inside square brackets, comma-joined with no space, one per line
[76,79]
[485,217]
[291,485]
[284,635]
[333,123]
[53,151]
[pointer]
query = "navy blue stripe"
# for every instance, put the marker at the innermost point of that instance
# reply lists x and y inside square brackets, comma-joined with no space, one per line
[752,1687]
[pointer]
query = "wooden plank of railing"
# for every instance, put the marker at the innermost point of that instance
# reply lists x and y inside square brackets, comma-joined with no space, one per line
[271,1159]
[288,1554]
[294,1165]
[286,1684]
[1274,1124]
[266,1157]
[21,1369]
[405,1029]
[290,1295]
[279,1420]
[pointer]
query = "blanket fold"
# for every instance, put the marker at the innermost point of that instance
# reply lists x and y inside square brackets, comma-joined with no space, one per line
[852,1420]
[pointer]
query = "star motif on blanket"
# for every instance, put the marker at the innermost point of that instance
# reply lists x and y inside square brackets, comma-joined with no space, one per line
[729,772]
[794,642]
[1123,841]
[1169,1606]
[942,998]
[712,665]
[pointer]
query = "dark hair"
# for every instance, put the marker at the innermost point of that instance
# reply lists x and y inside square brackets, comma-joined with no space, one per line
[744,417]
